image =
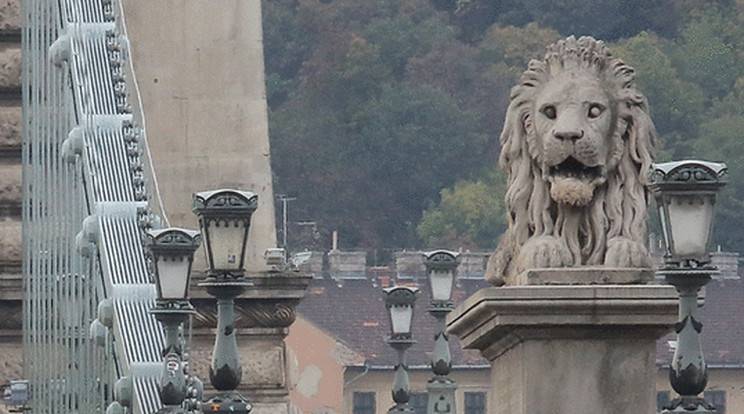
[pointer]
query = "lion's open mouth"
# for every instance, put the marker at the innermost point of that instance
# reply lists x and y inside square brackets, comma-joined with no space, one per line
[573,183]
[573,168]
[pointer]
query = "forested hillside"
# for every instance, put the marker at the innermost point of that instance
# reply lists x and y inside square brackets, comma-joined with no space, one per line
[385,114]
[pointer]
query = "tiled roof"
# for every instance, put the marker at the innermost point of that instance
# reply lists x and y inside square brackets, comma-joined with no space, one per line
[723,325]
[353,310]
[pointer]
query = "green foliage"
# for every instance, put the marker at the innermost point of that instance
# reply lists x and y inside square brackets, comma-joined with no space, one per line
[676,105]
[722,139]
[516,46]
[470,215]
[604,19]
[707,55]
[402,38]
[385,115]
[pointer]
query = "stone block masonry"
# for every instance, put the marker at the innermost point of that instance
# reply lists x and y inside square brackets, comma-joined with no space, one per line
[11,363]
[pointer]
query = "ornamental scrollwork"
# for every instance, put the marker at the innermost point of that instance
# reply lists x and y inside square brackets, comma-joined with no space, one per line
[266,315]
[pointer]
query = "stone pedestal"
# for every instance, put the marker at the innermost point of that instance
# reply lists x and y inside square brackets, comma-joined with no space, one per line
[580,349]
[263,314]
[268,309]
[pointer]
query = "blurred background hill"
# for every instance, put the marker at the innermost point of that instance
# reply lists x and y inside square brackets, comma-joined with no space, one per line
[385,114]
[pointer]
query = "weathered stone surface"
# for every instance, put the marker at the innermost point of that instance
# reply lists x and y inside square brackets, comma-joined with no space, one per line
[347,264]
[10,242]
[271,408]
[495,319]
[10,127]
[10,67]
[585,276]
[580,349]
[187,56]
[11,360]
[11,290]
[409,263]
[264,364]
[309,262]
[575,376]
[10,184]
[10,15]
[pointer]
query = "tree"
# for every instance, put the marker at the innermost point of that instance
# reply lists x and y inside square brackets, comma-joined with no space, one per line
[516,46]
[376,106]
[708,55]
[722,139]
[470,215]
[608,20]
[362,143]
[677,106]
[403,38]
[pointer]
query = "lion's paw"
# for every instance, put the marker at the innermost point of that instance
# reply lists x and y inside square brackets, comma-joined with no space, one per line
[542,252]
[624,252]
[496,268]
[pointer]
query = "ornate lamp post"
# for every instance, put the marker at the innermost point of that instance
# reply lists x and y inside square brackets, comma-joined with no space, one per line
[224,218]
[685,194]
[172,252]
[441,267]
[399,301]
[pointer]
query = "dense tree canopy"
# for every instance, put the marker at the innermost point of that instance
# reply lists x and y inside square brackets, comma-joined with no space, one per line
[385,115]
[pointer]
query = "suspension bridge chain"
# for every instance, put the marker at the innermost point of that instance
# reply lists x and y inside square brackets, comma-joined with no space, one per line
[86,201]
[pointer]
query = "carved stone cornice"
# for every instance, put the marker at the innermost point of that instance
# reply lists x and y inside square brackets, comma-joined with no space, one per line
[494,320]
[269,303]
[266,314]
[249,313]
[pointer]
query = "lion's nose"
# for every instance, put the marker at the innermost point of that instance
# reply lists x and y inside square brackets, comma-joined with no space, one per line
[572,135]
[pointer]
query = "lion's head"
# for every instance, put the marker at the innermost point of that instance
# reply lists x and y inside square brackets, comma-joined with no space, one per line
[576,143]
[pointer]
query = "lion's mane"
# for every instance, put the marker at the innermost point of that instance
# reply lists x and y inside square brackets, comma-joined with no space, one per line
[618,207]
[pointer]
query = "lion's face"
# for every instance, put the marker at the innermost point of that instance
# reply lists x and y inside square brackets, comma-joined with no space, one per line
[574,120]
[577,143]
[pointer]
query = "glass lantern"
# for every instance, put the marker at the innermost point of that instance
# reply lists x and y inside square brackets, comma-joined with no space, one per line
[685,193]
[224,219]
[399,301]
[172,251]
[441,267]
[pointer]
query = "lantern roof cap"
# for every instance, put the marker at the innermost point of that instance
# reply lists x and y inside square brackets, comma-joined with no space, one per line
[173,237]
[441,259]
[688,175]
[667,167]
[400,295]
[224,201]
[667,170]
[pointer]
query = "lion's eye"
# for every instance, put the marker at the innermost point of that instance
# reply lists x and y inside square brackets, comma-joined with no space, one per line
[595,110]
[549,111]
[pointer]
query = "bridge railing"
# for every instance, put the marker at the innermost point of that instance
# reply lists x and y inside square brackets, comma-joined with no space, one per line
[87,200]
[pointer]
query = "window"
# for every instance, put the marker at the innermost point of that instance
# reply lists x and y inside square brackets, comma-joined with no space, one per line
[475,403]
[662,399]
[718,399]
[419,402]
[364,403]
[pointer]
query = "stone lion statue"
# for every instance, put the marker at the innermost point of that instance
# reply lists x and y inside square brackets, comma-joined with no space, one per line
[577,144]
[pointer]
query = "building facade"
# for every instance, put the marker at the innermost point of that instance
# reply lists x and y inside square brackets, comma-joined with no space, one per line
[349,314]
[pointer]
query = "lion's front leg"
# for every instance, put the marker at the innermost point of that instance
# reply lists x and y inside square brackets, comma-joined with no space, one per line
[542,252]
[624,252]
